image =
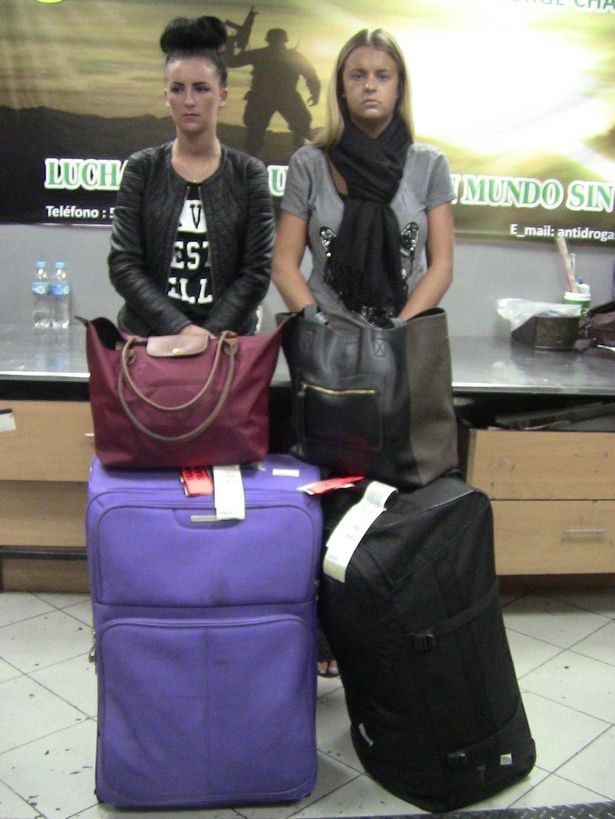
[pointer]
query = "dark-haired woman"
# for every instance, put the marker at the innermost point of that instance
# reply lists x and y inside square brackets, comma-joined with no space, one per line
[193,225]
[372,204]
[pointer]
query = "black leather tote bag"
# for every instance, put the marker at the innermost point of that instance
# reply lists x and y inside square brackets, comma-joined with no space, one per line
[376,402]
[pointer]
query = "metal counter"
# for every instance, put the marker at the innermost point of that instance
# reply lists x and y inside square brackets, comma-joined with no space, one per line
[499,365]
[27,354]
[480,365]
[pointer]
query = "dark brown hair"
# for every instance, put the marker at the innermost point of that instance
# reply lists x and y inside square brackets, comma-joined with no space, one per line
[197,37]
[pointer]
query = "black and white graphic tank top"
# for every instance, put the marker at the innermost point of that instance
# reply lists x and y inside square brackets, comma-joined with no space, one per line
[190,283]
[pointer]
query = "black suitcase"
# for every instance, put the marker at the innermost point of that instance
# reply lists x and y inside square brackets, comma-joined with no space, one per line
[416,626]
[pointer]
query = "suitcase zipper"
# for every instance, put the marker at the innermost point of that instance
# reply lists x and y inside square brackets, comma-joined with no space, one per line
[182,502]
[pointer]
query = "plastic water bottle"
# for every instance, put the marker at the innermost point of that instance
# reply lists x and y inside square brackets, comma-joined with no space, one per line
[41,297]
[60,298]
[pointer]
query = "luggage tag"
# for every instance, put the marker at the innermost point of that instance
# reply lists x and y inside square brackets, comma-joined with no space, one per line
[196,481]
[7,421]
[349,532]
[322,487]
[229,496]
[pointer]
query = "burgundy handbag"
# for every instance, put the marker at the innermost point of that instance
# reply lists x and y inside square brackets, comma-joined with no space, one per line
[173,401]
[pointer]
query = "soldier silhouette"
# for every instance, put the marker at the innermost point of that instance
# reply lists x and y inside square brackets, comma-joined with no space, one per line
[276,71]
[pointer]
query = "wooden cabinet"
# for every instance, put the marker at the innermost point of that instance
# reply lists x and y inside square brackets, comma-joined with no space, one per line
[553,496]
[44,465]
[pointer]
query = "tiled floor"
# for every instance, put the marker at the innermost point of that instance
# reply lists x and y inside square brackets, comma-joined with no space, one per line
[563,644]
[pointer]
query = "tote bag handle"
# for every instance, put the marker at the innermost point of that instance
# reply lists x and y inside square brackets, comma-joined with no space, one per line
[227,343]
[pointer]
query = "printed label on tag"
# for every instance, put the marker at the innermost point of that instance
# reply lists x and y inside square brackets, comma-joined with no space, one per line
[349,532]
[285,473]
[196,481]
[7,421]
[322,487]
[228,493]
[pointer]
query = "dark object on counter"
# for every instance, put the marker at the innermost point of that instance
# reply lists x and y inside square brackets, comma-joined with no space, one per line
[598,337]
[601,324]
[545,332]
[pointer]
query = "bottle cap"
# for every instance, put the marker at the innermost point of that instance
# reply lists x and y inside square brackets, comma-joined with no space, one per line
[581,287]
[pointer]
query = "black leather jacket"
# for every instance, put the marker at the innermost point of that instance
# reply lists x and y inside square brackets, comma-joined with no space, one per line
[240,221]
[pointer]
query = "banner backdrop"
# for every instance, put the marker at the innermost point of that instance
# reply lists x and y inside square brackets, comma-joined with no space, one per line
[519,94]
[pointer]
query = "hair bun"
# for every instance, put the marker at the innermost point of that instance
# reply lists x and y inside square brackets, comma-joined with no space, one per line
[184,34]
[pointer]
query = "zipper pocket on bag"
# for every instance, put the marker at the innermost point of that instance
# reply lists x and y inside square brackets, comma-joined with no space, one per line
[305,385]
[192,562]
[348,418]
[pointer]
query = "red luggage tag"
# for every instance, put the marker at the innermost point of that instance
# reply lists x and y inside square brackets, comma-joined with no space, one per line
[196,481]
[329,485]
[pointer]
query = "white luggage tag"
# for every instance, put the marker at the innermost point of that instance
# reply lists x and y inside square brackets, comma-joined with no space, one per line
[229,496]
[349,532]
[7,421]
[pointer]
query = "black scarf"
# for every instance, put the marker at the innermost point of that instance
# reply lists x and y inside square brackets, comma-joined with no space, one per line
[364,267]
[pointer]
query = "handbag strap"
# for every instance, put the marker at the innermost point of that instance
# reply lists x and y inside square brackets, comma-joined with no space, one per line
[226,340]
[231,345]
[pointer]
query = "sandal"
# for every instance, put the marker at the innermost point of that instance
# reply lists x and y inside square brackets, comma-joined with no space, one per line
[327,668]
[327,664]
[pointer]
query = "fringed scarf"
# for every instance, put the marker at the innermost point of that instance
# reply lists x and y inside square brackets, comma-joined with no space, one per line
[364,267]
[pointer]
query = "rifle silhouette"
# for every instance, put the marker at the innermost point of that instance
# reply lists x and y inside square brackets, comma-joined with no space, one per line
[242,30]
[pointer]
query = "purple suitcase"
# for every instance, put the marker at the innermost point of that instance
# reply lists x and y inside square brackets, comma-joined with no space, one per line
[205,638]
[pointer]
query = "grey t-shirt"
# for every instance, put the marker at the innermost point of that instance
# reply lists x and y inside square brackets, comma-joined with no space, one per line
[311,195]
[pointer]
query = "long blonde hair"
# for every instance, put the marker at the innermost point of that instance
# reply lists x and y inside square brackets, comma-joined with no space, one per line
[336,113]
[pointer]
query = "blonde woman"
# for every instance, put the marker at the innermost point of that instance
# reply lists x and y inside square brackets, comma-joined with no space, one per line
[372,205]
